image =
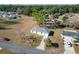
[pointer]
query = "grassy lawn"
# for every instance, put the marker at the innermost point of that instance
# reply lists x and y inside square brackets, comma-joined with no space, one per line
[2,19]
[7,26]
[15,37]
[6,19]
[34,40]
[4,25]
[69,28]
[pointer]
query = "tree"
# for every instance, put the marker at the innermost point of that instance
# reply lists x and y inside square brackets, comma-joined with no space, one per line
[76,24]
[39,17]
[65,18]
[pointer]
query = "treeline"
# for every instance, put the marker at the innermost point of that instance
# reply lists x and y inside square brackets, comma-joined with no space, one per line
[49,9]
[41,12]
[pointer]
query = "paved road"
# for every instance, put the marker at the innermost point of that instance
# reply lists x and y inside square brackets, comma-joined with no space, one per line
[20,49]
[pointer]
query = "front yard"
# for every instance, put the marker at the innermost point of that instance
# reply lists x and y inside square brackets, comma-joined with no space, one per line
[17,32]
[56,45]
[33,40]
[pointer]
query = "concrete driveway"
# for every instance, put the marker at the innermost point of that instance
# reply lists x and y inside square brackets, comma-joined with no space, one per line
[42,44]
[68,49]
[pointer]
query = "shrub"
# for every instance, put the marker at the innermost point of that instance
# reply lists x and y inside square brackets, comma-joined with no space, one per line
[51,44]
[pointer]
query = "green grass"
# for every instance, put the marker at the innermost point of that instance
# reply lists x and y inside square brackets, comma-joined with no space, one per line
[10,26]
[37,40]
[68,28]
[3,19]
[7,26]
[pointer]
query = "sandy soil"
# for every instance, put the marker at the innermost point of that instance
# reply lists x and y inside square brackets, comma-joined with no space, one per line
[76,49]
[57,39]
[26,23]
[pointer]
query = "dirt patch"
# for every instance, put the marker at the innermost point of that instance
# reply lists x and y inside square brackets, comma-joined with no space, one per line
[15,34]
[76,49]
[56,38]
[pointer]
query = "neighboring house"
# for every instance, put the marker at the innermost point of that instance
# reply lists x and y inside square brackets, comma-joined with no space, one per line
[71,33]
[72,22]
[48,22]
[12,16]
[72,19]
[69,14]
[41,31]
[4,15]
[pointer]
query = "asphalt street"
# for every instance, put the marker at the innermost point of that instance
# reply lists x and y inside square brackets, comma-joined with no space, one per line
[19,49]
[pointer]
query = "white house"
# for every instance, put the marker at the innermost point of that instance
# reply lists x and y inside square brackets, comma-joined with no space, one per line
[12,16]
[41,31]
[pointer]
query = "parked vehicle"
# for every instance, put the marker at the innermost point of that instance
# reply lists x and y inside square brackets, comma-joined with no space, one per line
[6,39]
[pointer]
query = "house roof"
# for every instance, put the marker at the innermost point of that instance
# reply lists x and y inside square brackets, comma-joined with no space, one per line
[45,30]
[73,19]
[72,34]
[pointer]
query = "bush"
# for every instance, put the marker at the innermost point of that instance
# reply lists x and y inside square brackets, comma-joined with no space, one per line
[51,44]
[76,44]
[2,19]
[55,45]
[64,18]
[76,41]
[48,43]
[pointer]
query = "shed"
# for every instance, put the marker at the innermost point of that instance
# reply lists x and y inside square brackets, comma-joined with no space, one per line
[41,31]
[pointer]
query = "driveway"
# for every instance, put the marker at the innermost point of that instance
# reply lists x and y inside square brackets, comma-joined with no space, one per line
[42,44]
[68,49]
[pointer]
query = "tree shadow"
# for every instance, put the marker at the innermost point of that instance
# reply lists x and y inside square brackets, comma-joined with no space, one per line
[3,28]
[51,33]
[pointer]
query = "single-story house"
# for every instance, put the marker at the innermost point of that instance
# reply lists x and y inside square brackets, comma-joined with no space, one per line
[41,31]
[12,16]
[71,33]
[4,15]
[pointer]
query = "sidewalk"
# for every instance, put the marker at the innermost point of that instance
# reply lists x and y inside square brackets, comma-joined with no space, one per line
[42,44]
